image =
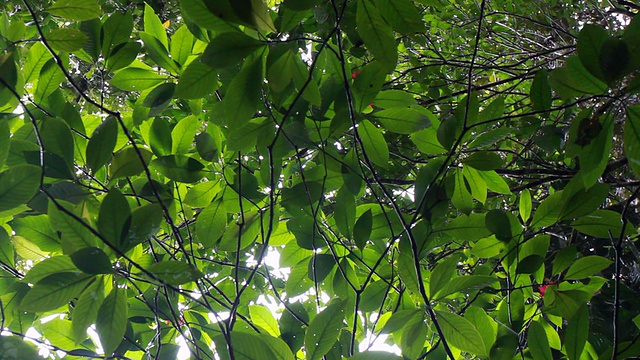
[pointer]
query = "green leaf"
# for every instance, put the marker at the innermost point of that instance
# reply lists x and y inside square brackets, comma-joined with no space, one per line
[127,162]
[116,30]
[123,55]
[368,84]
[153,26]
[67,40]
[540,92]
[461,198]
[376,34]
[461,333]
[468,227]
[632,138]
[5,142]
[323,331]
[601,224]
[402,15]
[375,146]
[136,79]
[102,143]
[524,205]
[529,264]
[375,355]
[538,342]
[577,333]
[183,134]
[160,137]
[229,48]
[587,266]
[548,211]
[14,348]
[243,94]
[583,202]
[86,310]
[248,346]
[54,291]
[486,325]
[563,259]
[262,317]
[442,274]
[464,284]
[114,218]
[75,235]
[499,224]
[18,185]
[590,40]
[573,80]
[196,81]
[211,223]
[111,322]
[6,248]
[159,98]
[345,212]
[92,260]
[483,160]
[48,266]
[362,229]
[179,168]
[181,45]
[174,272]
[79,10]
[402,120]
[614,58]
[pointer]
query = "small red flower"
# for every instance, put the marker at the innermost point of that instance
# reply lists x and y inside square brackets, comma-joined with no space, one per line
[355,74]
[542,290]
[371,104]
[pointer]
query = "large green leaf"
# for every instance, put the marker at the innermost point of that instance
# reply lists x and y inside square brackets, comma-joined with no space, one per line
[376,34]
[632,137]
[587,266]
[538,342]
[196,81]
[174,272]
[102,143]
[402,15]
[75,233]
[54,291]
[211,223]
[461,333]
[577,333]
[92,260]
[67,40]
[114,218]
[179,168]
[6,248]
[18,185]
[243,94]
[137,79]
[111,321]
[323,331]
[86,310]
[127,162]
[402,120]
[229,48]
[601,223]
[375,146]
[76,9]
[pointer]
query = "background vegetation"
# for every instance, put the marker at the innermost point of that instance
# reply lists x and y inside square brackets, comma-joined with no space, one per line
[303,178]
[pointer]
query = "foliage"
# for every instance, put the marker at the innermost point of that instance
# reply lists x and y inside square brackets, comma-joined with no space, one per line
[296,179]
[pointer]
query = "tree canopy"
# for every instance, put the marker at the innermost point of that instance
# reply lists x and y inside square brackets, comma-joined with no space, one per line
[303,179]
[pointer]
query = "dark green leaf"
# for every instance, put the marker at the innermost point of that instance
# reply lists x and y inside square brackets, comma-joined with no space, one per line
[111,322]
[323,331]
[601,223]
[483,160]
[67,40]
[529,264]
[538,342]
[376,34]
[362,229]
[402,120]
[102,143]
[229,48]
[179,168]
[127,162]
[92,260]
[374,143]
[243,94]
[211,223]
[577,333]
[540,92]
[114,217]
[175,272]
[18,185]
[196,81]
[136,79]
